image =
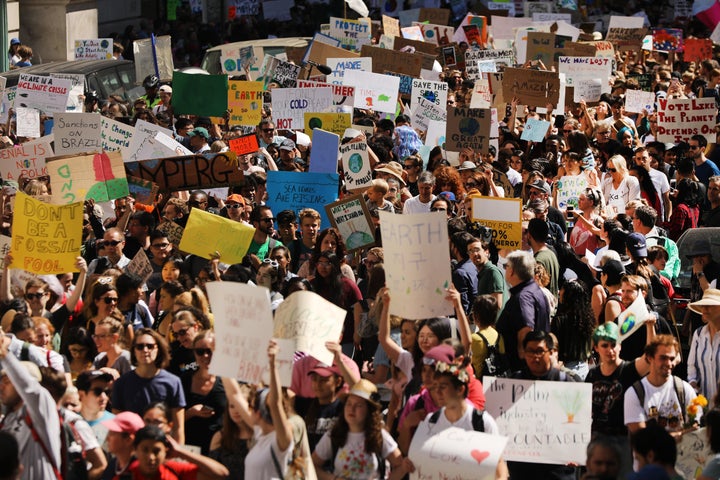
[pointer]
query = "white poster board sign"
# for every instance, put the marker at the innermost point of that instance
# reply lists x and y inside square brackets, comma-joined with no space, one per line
[243,328]
[94,49]
[425,112]
[417,263]
[340,65]
[586,67]
[356,166]
[569,189]
[289,105]
[434,92]
[26,160]
[680,119]
[28,122]
[77,133]
[74,102]
[638,100]
[310,321]
[373,91]
[115,135]
[454,453]
[546,422]
[588,89]
[44,93]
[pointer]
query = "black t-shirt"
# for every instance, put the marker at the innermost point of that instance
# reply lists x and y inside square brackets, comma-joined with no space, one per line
[321,419]
[608,415]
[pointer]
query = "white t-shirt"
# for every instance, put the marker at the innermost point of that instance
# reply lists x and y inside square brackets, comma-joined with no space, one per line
[259,461]
[617,198]
[414,205]
[352,461]
[660,181]
[465,422]
[661,404]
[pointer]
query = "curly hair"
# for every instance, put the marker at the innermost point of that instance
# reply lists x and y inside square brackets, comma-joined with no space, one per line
[373,431]
[448,176]
[340,249]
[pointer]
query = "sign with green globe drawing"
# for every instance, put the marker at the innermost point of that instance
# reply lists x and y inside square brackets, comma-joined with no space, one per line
[356,166]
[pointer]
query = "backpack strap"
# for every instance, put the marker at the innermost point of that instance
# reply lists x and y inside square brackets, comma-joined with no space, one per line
[485,340]
[45,450]
[435,417]
[277,463]
[477,420]
[639,391]
[25,352]
[680,392]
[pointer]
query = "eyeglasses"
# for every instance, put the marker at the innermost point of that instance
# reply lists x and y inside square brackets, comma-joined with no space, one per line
[475,250]
[113,243]
[201,352]
[161,246]
[269,219]
[271,262]
[109,300]
[182,332]
[34,296]
[568,131]
[438,209]
[145,346]
[97,391]
[612,170]
[268,130]
[693,147]
[536,353]
[235,206]
[471,185]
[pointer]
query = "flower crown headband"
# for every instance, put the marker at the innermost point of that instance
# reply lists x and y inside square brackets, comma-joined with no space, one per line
[454,369]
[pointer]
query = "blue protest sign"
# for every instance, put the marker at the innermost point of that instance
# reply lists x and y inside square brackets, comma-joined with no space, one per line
[298,190]
[324,153]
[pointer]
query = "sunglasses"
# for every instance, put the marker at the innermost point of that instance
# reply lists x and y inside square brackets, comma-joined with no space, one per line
[145,346]
[113,243]
[270,219]
[97,391]
[235,206]
[34,296]
[408,167]
[471,185]
[109,300]
[268,130]
[271,262]
[201,352]
[612,170]
[181,333]
[160,246]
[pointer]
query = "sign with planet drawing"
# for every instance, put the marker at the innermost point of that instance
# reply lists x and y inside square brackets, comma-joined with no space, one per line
[468,128]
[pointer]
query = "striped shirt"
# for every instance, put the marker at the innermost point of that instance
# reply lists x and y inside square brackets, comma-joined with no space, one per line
[704,361]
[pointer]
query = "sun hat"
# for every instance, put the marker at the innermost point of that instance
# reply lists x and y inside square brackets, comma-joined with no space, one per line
[711,298]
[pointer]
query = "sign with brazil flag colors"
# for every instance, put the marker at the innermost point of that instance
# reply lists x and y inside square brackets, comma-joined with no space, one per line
[46,238]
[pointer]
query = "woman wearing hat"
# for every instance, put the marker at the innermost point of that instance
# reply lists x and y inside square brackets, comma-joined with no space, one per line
[358,445]
[703,364]
[610,379]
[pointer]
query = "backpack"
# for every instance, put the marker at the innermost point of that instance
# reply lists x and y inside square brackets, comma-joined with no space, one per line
[72,451]
[477,420]
[679,391]
[496,364]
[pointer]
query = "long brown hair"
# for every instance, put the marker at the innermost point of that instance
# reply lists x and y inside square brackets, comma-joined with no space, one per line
[373,431]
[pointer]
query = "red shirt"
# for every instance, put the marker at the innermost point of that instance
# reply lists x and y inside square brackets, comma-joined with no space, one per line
[169,470]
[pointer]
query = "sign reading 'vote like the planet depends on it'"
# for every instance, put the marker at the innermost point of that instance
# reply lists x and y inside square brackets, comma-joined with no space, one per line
[468,128]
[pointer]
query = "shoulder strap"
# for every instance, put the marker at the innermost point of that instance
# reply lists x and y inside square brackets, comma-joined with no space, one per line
[45,450]
[435,417]
[276,462]
[639,391]
[25,352]
[420,404]
[680,392]
[271,244]
[477,420]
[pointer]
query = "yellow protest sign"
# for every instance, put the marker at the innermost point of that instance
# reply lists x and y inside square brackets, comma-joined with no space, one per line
[206,234]
[245,101]
[331,122]
[90,176]
[46,238]
[503,216]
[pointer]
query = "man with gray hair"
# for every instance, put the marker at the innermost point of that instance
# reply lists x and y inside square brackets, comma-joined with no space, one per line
[421,203]
[527,308]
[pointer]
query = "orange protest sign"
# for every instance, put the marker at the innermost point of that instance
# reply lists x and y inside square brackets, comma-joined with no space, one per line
[245,144]
[698,49]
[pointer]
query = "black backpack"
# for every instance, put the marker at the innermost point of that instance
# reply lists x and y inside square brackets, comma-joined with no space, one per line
[477,420]
[496,364]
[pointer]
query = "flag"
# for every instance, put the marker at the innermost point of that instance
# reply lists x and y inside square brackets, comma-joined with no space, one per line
[707,11]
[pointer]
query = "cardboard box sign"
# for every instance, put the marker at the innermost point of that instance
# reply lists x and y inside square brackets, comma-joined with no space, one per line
[188,172]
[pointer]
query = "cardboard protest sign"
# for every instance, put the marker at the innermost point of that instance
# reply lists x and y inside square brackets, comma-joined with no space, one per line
[437,34]
[619,21]
[356,166]
[145,57]
[343,95]
[352,219]
[556,418]
[680,119]
[645,81]
[472,20]
[393,60]
[626,38]
[310,321]
[206,235]
[94,49]
[46,238]
[636,101]
[439,16]
[319,52]
[200,94]
[27,121]
[468,128]
[244,328]
[77,133]
[434,92]
[94,176]
[503,216]
[535,88]
[391,26]
[189,172]
[245,101]
[297,190]
[277,71]
[417,263]
[535,130]
[140,265]
[698,49]
[244,144]
[332,122]
[114,135]
[324,154]
[5,245]
[420,46]
[632,318]
[340,65]
[425,112]
[541,46]
[568,189]
[473,454]
[26,160]
[44,93]
[449,56]
[667,39]
[143,191]
[173,231]
[289,105]
[373,91]
[505,58]
[353,34]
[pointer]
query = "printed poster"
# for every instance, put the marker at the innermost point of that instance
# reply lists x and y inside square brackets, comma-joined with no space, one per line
[417,263]
[503,216]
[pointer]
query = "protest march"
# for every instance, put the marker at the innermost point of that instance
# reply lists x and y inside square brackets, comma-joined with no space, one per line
[442,242]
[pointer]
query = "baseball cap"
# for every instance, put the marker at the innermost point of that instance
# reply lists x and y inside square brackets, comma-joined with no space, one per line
[85,379]
[541,185]
[235,197]
[288,145]
[15,41]
[124,422]
[614,270]
[200,131]
[325,370]
[166,89]
[635,243]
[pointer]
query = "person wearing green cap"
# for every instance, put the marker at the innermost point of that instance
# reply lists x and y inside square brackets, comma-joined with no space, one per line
[610,378]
